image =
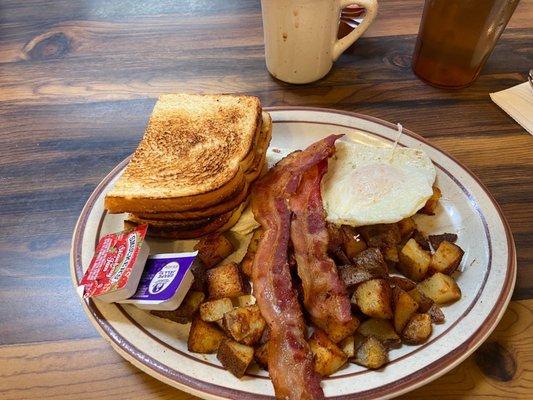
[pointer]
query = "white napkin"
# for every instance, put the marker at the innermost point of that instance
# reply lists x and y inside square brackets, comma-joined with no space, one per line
[518,103]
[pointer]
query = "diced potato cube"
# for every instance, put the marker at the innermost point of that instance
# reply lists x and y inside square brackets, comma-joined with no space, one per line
[369,264]
[214,310]
[431,205]
[436,240]
[382,330]
[404,309]
[414,261]
[337,331]
[204,337]
[244,300]
[248,259]
[247,263]
[440,288]
[235,357]
[347,345]
[418,329]
[199,272]
[225,281]
[261,355]
[421,240]
[424,302]
[329,358]
[447,258]
[353,243]
[254,241]
[373,298]
[391,254]
[402,283]
[381,235]
[436,314]
[406,226]
[245,324]
[371,353]
[212,249]
[183,314]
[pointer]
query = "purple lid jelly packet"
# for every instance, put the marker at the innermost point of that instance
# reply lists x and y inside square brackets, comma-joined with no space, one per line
[162,276]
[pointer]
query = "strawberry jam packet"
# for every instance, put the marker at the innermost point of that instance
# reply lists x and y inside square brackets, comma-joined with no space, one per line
[117,265]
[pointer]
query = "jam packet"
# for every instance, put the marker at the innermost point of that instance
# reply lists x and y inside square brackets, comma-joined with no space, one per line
[165,281]
[117,265]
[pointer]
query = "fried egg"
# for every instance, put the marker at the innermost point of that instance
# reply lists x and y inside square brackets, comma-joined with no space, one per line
[368,185]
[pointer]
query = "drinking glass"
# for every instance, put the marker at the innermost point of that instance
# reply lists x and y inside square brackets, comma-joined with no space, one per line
[456,37]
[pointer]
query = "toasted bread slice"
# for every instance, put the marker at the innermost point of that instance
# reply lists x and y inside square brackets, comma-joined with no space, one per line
[250,176]
[195,150]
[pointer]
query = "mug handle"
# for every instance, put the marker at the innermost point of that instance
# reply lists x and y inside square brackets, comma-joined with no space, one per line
[371,7]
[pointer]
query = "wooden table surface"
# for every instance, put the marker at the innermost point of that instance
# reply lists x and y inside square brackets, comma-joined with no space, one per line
[78,80]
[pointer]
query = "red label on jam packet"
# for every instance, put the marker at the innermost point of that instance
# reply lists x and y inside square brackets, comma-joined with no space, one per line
[114,258]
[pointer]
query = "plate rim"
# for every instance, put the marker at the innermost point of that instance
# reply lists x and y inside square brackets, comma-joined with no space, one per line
[408,383]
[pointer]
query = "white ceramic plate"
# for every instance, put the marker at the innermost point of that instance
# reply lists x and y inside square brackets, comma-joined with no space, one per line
[159,347]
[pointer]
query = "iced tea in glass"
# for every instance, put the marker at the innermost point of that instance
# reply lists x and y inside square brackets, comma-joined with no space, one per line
[456,37]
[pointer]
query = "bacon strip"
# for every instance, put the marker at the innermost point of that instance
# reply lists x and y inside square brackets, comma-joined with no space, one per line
[325,296]
[290,362]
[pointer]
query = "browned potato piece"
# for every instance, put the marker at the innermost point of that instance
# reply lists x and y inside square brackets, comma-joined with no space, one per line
[245,324]
[329,358]
[212,249]
[247,263]
[402,283]
[261,355]
[440,288]
[421,240]
[244,301]
[347,345]
[406,226]
[418,329]
[414,261]
[353,244]
[436,240]
[424,302]
[204,337]
[248,259]
[235,357]
[183,314]
[404,309]
[447,258]
[336,331]
[431,204]
[384,236]
[381,235]
[225,281]
[213,310]
[199,283]
[382,330]
[369,264]
[371,353]
[436,314]
[373,298]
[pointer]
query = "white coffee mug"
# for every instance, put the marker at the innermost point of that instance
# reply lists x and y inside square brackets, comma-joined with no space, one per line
[301,36]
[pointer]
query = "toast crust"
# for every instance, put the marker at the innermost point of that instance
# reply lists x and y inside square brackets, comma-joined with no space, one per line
[220,224]
[193,145]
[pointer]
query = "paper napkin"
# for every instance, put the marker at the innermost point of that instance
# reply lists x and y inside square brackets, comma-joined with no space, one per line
[518,103]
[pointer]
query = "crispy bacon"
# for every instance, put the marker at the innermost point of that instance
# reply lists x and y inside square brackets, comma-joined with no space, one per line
[290,362]
[325,296]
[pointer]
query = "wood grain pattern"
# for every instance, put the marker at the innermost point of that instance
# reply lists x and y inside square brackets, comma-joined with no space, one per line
[78,80]
[66,370]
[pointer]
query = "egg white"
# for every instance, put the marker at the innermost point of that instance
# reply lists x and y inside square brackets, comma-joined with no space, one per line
[367,185]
